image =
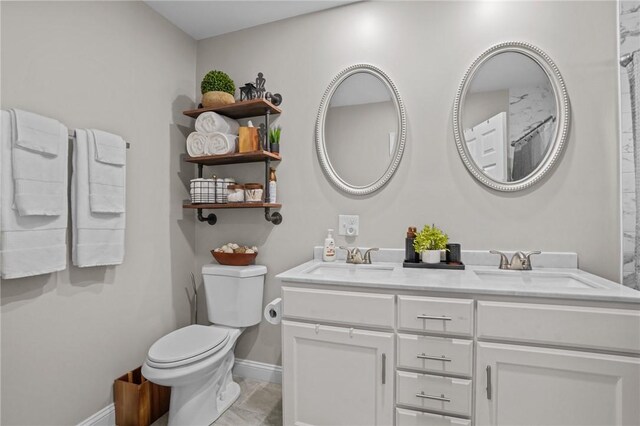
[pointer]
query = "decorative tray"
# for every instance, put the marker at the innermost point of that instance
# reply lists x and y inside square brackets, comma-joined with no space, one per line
[441,265]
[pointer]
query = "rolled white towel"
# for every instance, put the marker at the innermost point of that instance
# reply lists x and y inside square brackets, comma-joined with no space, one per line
[220,144]
[210,122]
[195,144]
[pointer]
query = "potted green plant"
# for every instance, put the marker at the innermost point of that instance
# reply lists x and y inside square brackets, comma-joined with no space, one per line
[217,89]
[430,242]
[274,139]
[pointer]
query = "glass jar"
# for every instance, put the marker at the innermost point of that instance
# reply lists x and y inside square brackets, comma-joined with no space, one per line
[253,192]
[235,193]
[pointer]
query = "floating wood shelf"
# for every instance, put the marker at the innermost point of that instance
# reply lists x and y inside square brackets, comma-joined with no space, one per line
[242,157]
[244,109]
[233,206]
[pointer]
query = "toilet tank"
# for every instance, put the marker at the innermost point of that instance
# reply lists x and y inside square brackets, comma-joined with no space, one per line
[234,294]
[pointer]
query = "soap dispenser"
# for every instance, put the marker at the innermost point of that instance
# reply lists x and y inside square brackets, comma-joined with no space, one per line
[410,253]
[329,251]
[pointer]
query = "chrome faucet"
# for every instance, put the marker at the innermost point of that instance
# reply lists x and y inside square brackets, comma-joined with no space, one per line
[519,262]
[354,255]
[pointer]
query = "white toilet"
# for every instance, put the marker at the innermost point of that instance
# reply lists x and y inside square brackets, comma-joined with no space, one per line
[196,360]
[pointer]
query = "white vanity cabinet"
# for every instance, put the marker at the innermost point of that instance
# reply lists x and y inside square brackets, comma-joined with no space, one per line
[521,384]
[383,356]
[337,375]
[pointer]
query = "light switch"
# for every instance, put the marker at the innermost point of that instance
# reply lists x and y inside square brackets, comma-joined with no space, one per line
[348,225]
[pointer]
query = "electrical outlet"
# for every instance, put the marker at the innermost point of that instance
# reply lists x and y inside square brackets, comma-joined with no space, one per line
[348,225]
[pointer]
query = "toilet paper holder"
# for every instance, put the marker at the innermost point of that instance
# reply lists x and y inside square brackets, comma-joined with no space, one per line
[273,311]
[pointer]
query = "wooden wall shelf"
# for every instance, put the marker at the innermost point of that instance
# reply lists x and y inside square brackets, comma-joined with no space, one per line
[236,158]
[244,109]
[233,206]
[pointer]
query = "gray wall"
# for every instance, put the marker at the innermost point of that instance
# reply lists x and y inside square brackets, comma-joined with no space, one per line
[121,67]
[425,47]
[482,106]
[361,132]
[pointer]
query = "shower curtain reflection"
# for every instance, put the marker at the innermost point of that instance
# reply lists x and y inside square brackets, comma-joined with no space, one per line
[632,63]
[529,152]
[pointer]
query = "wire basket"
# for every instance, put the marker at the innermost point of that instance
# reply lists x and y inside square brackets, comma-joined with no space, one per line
[203,191]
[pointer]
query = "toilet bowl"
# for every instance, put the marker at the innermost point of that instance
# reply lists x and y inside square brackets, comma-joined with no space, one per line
[196,361]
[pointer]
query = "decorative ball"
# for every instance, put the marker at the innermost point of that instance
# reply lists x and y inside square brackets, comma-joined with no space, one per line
[217,81]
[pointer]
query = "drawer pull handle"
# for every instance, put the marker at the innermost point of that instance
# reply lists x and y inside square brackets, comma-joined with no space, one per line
[489,382]
[433,317]
[437,398]
[384,368]
[435,358]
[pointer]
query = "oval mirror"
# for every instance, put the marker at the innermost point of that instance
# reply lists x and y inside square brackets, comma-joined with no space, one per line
[511,116]
[360,130]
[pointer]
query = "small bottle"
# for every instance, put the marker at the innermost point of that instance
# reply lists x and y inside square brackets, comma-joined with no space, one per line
[273,186]
[329,252]
[409,251]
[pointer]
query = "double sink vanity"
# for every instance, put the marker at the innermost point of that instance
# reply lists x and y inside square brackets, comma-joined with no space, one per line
[380,344]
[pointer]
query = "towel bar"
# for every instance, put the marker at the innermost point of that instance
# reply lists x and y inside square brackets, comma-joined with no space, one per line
[72,135]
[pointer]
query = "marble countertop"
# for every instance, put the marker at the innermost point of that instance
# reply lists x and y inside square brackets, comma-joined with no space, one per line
[388,273]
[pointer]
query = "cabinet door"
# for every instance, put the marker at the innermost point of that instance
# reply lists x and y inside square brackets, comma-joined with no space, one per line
[336,375]
[519,385]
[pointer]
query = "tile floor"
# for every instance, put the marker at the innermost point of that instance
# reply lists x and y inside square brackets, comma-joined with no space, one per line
[259,404]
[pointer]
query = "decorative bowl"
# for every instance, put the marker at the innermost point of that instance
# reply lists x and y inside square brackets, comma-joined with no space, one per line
[234,259]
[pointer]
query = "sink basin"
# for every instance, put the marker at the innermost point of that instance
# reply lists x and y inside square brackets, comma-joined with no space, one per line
[350,270]
[536,279]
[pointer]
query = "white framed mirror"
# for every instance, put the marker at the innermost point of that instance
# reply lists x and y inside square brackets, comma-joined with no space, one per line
[511,116]
[360,130]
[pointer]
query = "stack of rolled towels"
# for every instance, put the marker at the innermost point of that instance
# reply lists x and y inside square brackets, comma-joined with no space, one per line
[215,135]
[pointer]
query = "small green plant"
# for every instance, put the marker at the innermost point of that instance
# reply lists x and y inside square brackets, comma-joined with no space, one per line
[274,135]
[430,238]
[217,81]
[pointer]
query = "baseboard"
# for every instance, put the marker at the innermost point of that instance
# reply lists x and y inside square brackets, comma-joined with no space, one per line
[258,371]
[104,417]
[243,368]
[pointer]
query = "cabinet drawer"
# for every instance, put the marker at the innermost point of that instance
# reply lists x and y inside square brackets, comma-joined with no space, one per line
[429,314]
[434,392]
[417,418]
[435,354]
[584,327]
[375,310]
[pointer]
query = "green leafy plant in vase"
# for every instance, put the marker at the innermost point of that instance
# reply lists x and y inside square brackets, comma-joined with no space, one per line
[217,89]
[430,242]
[274,139]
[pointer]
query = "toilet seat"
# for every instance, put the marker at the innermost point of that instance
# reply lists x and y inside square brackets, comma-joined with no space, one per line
[187,345]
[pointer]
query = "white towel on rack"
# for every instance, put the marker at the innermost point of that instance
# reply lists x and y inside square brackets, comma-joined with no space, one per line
[220,144]
[29,245]
[39,161]
[210,122]
[107,158]
[98,238]
[196,143]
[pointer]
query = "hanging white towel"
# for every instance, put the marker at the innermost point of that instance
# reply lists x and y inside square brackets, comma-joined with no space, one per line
[220,144]
[39,161]
[107,157]
[210,122]
[29,245]
[98,238]
[196,143]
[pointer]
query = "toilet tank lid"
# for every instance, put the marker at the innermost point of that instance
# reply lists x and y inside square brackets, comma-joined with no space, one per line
[234,271]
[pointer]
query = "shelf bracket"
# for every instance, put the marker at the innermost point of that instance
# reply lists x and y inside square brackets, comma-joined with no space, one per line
[211,219]
[275,217]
